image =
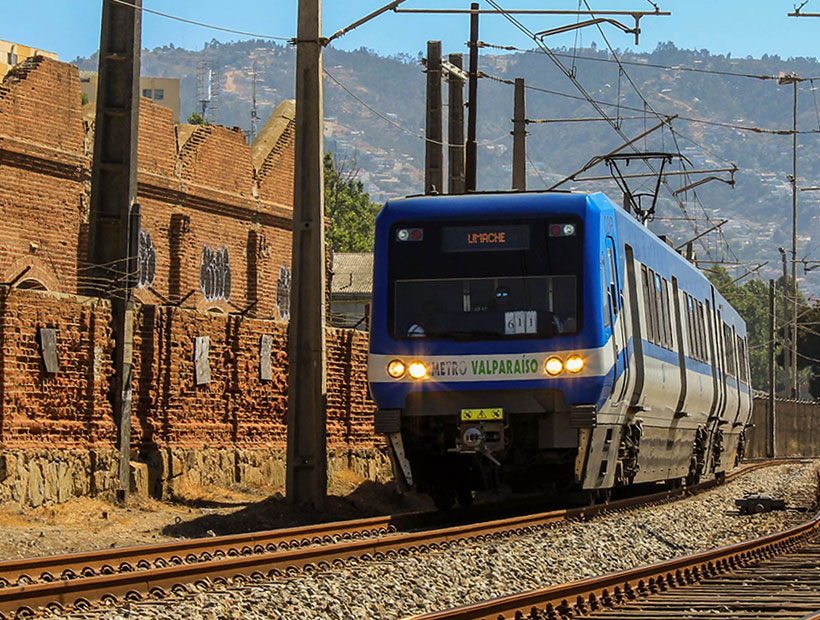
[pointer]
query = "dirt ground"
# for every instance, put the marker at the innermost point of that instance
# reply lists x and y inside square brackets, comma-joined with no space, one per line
[84,524]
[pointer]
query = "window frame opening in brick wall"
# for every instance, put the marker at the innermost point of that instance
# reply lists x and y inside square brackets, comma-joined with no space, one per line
[159,94]
[146,260]
[283,288]
[215,273]
[31,284]
[148,93]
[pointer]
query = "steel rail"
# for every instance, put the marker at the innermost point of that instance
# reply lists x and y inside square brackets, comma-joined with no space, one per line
[137,577]
[107,561]
[593,594]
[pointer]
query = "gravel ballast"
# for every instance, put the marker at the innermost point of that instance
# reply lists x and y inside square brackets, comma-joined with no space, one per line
[473,572]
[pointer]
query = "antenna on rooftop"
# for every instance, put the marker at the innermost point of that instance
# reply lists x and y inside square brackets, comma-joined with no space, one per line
[254,111]
[207,91]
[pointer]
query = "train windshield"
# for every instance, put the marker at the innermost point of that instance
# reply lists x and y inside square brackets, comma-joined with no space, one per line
[488,280]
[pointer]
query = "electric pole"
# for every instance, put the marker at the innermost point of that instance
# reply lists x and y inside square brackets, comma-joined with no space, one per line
[519,167]
[113,213]
[472,116]
[455,126]
[787,345]
[433,146]
[770,439]
[794,80]
[306,480]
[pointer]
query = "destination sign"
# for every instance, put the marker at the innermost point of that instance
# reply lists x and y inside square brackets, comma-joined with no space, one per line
[484,238]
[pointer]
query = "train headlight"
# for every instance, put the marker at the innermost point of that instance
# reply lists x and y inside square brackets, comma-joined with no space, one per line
[417,370]
[396,369]
[553,366]
[575,363]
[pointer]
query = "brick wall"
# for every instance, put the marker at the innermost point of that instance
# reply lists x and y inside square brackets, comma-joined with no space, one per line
[228,430]
[198,186]
[69,409]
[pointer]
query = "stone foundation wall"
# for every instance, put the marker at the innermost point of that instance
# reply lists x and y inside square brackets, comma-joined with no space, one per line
[36,478]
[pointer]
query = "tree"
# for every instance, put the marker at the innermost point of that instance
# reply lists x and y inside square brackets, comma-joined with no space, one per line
[197,119]
[751,300]
[351,213]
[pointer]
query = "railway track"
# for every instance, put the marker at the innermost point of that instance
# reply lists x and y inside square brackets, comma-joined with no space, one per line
[78,580]
[776,576]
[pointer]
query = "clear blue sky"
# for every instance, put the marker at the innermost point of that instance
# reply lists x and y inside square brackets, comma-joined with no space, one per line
[742,27]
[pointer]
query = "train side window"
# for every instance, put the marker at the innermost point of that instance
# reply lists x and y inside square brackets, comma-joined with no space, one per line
[667,316]
[741,359]
[647,303]
[690,325]
[659,316]
[613,288]
[604,301]
[729,345]
[701,332]
[653,307]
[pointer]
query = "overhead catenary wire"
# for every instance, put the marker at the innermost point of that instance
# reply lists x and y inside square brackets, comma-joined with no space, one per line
[648,105]
[202,24]
[399,126]
[752,129]
[648,65]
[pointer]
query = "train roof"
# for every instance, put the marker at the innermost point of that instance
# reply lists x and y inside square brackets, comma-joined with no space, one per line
[486,203]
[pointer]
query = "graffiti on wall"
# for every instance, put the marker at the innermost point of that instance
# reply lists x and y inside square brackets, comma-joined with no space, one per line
[215,273]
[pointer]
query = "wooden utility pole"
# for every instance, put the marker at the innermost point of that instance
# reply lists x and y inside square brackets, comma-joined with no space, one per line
[770,439]
[434,147]
[455,127]
[113,212]
[472,116]
[519,167]
[306,480]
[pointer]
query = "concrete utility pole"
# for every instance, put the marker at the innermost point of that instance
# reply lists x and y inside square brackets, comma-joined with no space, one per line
[113,214]
[770,448]
[306,480]
[794,81]
[434,147]
[519,167]
[472,116]
[455,127]
[787,346]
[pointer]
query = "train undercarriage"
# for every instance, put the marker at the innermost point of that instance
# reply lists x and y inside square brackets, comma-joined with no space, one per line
[548,454]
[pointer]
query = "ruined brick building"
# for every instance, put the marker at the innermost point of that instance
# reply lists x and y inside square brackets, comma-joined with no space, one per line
[214,256]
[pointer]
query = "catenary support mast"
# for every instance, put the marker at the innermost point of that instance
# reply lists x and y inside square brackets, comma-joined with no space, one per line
[113,212]
[306,480]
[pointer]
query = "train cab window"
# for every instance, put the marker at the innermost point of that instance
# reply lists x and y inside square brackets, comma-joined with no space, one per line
[486,280]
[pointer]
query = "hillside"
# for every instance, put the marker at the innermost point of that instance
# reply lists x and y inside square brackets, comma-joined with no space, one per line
[389,151]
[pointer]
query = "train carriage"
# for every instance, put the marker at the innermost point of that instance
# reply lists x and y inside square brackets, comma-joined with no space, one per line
[542,341]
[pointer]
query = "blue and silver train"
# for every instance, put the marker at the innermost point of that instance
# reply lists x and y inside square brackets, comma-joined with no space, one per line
[548,341]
